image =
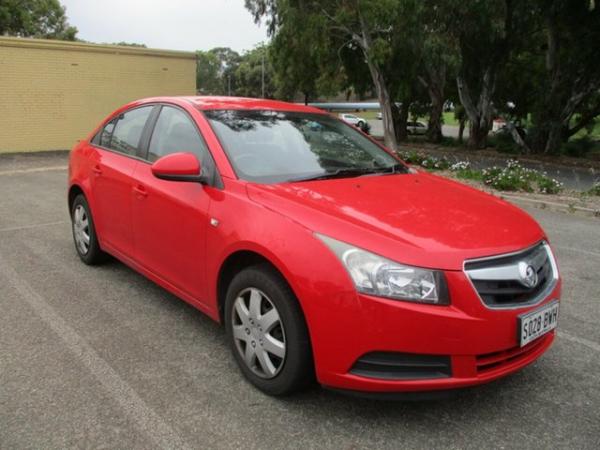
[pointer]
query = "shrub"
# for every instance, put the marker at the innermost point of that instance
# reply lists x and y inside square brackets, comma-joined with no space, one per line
[425,161]
[506,179]
[460,165]
[413,157]
[578,147]
[512,177]
[595,190]
[548,185]
[515,177]
[503,142]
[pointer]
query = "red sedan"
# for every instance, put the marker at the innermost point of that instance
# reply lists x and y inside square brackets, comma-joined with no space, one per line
[320,251]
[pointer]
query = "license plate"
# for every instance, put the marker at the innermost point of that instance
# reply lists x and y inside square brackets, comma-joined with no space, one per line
[537,323]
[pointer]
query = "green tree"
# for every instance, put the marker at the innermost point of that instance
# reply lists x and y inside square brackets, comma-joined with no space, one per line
[296,64]
[255,75]
[208,74]
[373,27]
[567,95]
[35,18]
[438,65]
[215,73]
[484,32]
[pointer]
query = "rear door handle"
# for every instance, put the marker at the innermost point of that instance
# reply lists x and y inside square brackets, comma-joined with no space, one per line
[97,170]
[140,191]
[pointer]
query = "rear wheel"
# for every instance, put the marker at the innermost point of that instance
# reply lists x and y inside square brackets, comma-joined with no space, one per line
[84,233]
[267,331]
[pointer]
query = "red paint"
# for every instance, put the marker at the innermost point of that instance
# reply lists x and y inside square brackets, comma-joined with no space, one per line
[184,164]
[162,229]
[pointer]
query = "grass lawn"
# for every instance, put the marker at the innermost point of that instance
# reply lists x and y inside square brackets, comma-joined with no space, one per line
[449,119]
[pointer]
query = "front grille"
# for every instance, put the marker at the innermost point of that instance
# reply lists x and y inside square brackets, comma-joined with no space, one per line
[402,366]
[502,281]
[491,361]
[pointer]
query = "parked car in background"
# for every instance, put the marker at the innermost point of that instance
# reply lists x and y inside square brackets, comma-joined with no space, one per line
[416,128]
[285,224]
[353,120]
[379,115]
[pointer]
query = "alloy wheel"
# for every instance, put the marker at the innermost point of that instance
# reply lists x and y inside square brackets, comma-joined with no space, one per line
[258,333]
[81,229]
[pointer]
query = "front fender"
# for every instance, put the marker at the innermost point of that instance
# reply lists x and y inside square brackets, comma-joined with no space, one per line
[318,279]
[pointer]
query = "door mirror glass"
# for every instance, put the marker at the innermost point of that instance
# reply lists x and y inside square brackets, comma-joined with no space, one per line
[182,166]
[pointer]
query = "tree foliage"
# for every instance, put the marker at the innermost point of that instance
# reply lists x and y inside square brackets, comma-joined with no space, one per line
[362,35]
[532,61]
[255,74]
[35,18]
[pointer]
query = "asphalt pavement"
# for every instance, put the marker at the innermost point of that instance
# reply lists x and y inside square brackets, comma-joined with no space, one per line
[103,358]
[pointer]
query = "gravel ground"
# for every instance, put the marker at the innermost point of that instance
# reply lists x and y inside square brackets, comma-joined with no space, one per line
[103,358]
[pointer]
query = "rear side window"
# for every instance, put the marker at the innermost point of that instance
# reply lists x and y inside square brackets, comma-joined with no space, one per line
[174,132]
[128,130]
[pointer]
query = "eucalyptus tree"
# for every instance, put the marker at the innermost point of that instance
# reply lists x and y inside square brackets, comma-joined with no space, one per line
[567,96]
[484,33]
[372,27]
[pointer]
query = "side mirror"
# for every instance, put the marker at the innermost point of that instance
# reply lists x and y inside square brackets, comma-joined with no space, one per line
[178,167]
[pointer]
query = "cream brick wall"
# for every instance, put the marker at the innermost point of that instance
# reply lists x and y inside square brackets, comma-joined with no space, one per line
[53,93]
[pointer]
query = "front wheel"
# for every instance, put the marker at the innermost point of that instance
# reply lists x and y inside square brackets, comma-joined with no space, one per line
[84,233]
[267,332]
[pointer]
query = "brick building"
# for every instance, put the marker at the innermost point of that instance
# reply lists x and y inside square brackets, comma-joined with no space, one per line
[53,93]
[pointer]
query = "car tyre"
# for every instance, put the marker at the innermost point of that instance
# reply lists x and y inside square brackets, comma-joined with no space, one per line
[84,233]
[255,297]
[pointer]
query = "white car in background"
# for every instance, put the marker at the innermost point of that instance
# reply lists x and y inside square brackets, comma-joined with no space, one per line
[418,128]
[353,120]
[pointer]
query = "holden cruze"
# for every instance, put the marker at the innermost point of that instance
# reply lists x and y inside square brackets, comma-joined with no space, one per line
[321,252]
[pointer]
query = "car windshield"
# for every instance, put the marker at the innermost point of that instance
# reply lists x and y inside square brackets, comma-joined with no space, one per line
[274,147]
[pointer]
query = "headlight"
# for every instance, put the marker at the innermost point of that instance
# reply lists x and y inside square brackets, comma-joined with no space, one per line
[375,275]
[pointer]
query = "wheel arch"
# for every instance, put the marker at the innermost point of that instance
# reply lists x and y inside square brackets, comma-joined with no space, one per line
[239,260]
[74,191]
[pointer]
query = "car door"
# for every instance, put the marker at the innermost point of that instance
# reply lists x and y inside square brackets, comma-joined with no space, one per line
[114,161]
[170,217]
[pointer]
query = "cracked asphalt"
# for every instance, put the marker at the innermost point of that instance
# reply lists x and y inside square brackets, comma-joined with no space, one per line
[103,358]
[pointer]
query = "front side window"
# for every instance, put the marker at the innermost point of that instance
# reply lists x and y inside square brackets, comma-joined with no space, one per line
[106,133]
[128,130]
[174,132]
[273,146]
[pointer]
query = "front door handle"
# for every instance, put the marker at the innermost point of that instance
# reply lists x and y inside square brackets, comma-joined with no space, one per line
[140,191]
[97,170]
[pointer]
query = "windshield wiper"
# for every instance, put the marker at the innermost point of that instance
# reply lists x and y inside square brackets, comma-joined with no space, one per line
[349,172]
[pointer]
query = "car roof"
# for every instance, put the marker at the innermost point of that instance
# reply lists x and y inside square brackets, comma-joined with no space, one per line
[207,103]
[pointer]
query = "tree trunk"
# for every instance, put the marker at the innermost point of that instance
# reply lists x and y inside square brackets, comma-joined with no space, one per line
[306,98]
[364,40]
[477,135]
[555,139]
[461,130]
[480,116]
[434,82]
[434,131]
[401,120]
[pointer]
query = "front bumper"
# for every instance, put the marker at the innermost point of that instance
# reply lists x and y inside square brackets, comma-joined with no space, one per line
[480,343]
